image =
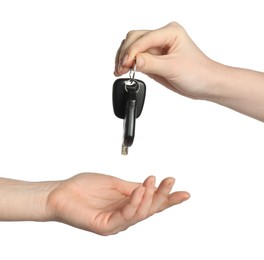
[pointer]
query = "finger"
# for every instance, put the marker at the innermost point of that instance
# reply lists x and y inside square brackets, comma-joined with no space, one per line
[117,57]
[131,37]
[119,69]
[174,199]
[161,195]
[126,187]
[155,64]
[161,38]
[146,202]
[178,197]
[149,182]
[129,210]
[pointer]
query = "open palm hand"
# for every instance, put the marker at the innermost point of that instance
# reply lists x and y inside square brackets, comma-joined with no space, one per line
[105,204]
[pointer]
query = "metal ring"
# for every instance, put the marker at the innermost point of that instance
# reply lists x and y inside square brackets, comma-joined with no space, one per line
[130,83]
[132,76]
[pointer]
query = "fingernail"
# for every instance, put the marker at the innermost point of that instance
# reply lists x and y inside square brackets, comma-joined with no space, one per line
[188,195]
[153,180]
[172,181]
[119,68]
[125,60]
[185,197]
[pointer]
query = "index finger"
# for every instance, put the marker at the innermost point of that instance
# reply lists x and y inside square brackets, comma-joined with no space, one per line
[162,38]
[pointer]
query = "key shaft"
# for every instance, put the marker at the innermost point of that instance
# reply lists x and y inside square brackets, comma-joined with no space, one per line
[124,150]
[129,120]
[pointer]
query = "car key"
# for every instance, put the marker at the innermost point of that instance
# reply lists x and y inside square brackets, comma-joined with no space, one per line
[128,101]
[130,117]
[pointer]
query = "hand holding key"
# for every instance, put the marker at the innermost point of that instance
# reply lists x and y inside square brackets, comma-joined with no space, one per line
[128,101]
[169,56]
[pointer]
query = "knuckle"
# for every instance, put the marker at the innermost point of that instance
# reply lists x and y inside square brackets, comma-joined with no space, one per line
[176,26]
[130,34]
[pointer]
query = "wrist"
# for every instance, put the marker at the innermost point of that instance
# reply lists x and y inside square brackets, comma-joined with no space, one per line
[239,89]
[211,81]
[203,78]
[41,211]
[25,201]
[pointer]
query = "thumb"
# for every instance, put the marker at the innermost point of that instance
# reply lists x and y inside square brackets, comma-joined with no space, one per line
[127,187]
[150,64]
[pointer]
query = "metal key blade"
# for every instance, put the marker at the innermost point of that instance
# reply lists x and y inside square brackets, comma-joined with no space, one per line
[129,120]
[124,150]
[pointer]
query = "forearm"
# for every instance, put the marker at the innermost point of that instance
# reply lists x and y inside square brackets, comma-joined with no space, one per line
[20,200]
[239,89]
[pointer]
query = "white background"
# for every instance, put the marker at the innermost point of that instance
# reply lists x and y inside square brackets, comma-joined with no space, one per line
[56,120]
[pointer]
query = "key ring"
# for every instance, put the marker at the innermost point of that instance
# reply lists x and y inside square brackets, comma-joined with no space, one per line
[130,83]
[132,80]
[132,76]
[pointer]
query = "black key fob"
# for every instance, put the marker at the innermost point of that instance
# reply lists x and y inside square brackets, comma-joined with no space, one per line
[120,96]
[128,101]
